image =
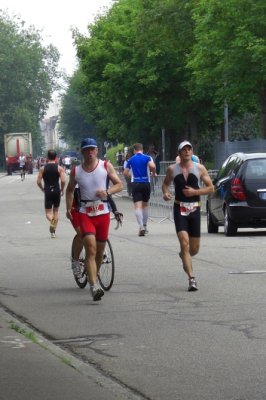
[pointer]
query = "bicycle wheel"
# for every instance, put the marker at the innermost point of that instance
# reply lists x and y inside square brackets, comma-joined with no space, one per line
[81,282]
[107,271]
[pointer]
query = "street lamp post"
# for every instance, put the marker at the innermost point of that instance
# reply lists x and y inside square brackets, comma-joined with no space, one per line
[163,144]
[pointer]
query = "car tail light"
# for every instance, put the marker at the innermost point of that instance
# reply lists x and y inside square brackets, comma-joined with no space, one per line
[237,189]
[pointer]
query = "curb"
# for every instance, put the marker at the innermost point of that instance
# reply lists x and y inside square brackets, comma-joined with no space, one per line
[86,369]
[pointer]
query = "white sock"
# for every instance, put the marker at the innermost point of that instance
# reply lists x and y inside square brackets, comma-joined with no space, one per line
[139,216]
[145,216]
[94,286]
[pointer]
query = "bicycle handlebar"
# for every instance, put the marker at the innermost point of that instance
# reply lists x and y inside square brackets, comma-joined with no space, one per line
[118,216]
[119,219]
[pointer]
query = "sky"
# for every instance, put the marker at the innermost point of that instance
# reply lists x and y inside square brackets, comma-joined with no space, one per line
[54,18]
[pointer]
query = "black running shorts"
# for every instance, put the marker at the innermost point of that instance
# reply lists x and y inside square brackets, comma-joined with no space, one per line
[141,191]
[189,223]
[52,199]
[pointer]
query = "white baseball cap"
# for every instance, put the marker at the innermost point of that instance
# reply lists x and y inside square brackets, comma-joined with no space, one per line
[183,144]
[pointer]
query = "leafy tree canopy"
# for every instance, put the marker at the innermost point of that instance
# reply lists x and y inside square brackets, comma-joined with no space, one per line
[73,125]
[229,55]
[28,76]
[134,63]
[152,64]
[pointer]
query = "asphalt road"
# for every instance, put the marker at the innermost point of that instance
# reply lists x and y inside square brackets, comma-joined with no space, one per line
[148,338]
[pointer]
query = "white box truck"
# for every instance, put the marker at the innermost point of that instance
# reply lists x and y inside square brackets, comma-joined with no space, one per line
[14,144]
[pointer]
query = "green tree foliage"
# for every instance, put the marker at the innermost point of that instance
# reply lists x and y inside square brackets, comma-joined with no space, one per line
[134,61]
[164,41]
[229,57]
[28,76]
[153,64]
[106,60]
[111,153]
[73,125]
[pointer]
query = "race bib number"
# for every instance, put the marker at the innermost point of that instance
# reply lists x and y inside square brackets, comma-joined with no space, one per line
[95,209]
[188,208]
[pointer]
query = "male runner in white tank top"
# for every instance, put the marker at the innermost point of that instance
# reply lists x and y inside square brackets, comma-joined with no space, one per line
[94,214]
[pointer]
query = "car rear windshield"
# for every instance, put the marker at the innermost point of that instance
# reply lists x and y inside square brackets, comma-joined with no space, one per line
[256,169]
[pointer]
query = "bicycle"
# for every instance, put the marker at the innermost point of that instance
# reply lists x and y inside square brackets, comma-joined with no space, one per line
[106,273]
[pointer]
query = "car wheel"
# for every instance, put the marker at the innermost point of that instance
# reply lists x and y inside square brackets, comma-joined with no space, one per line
[211,227]
[230,228]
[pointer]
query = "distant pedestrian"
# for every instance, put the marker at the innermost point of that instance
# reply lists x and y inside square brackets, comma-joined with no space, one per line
[186,176]
[22,165]
[140,166]
[155,157]
[120,161]
[67,164]
[128,177]
[51,180]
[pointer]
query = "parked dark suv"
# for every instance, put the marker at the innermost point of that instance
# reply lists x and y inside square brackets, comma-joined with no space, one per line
[239,198]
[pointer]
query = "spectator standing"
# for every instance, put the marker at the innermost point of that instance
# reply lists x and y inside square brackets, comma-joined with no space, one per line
[128,177]
[155,156]
[119,160]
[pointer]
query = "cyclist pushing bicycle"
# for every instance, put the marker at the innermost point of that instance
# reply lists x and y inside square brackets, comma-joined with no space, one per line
[94,214]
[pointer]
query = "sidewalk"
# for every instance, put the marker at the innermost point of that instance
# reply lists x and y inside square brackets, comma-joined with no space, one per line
[30,370]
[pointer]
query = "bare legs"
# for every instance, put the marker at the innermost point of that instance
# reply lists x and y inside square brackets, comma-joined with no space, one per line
[94,256]
[52,216]
[189,247]
[77,245]
[22,174]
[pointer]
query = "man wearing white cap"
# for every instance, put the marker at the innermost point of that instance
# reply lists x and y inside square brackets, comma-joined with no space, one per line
[186,176]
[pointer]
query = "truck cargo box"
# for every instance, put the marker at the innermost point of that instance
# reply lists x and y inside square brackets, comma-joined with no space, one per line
[14,144]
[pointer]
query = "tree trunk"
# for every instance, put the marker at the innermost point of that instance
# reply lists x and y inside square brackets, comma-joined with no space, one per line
[171,143]
[193,131]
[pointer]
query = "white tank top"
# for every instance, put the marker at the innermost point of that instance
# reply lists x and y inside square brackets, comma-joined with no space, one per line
[90,182]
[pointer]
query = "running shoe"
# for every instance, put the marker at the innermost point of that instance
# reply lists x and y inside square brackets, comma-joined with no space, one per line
[192,285]
[77,272]
[52,226]
[53,235]
[142,232]
[96,292]
[146,230]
